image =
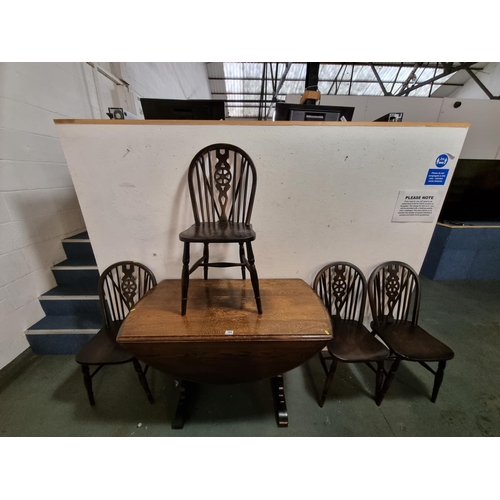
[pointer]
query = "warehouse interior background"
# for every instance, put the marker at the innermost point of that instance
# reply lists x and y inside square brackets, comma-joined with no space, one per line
[39,206]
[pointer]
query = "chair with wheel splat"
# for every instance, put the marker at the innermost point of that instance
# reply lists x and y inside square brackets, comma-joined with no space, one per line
[394,293]
[222,181]
[121,285]
[342,288]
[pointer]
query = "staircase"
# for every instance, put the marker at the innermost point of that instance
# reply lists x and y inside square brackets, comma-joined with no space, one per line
[72,308]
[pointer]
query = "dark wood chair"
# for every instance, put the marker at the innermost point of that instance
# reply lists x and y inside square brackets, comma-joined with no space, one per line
[394,293]
[222,182]
[342,288]
[121,285]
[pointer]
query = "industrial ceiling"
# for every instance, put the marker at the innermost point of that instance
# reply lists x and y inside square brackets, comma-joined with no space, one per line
[251,89]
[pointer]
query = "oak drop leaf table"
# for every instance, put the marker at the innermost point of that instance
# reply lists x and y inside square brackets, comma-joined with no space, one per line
[222,339]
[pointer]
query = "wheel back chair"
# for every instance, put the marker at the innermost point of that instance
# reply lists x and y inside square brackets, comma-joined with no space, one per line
[121,285]
[394,293]
[222,181]
[342,288]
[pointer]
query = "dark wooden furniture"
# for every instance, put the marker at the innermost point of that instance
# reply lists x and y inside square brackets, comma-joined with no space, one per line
[342,288]
[394,292]
[222,340]
[222,182]
[121,285]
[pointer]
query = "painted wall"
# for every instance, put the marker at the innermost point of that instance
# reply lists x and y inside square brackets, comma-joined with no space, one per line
[166,80]
[325,192]
[38,204]
[483,139]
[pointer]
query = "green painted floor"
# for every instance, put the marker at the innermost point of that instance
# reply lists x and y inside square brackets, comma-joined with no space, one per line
[45,396]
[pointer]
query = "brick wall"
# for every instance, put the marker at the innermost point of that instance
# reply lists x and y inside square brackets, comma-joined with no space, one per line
[38,204]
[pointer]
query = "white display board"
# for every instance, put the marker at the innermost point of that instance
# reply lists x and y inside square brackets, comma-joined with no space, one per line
[325,192]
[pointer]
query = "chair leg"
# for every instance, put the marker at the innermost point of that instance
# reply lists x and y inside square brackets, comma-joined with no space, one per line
[253,276]
[323,363]
[438,379]
[143,379]
[185,278]
[87,380]
[242,260]
[205,262]
[379,380]
[388,381]
[328,382]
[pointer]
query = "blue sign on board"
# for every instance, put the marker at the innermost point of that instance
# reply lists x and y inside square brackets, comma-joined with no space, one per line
[442,160]
[436,177]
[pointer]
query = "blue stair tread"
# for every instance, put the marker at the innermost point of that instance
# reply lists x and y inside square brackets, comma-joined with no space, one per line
[77,262]
[81,236]
[58,343]
[66,323]
[82,289]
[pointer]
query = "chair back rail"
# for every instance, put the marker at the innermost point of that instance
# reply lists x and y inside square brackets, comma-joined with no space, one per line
[342,288]
[394,293]
[121,286]
[222,181]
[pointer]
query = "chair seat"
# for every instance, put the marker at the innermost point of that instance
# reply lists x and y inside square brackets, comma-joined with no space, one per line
[353,343]
[218,232]
[103,349]
[413,342]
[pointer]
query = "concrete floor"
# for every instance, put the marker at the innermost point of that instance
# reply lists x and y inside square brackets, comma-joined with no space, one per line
[45,396]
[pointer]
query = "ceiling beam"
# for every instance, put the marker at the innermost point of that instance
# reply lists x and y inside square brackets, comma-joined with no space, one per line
[278,87]
[326,80]
[338,86]
[445,72]
[482,86]
[334,80]
[377,76]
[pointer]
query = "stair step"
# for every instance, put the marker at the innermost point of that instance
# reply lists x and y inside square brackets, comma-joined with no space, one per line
[75,249]
[77,262]
[72,305]
[76,278]
[58,342]
[72,291]
[73,309]
[66,323]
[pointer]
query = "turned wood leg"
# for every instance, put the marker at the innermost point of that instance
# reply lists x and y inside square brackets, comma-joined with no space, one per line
[438,379]
[279,401]
[322,361]
[143,379]
[242,260]
[328,381]
[87,380]
[185,278]
[254,277]
[388,381]
[205,262]
[379,380]
[181,410]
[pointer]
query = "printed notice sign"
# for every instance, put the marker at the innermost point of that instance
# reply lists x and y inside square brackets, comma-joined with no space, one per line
[417,206]
[436,177]
[437,174]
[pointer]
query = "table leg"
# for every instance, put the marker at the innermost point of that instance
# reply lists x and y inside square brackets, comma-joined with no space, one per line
[279,401]
[181,410]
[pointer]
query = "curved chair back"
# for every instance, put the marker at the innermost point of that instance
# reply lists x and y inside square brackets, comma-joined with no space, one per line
[121,286]
[342,288]
[222,182]
[394,293]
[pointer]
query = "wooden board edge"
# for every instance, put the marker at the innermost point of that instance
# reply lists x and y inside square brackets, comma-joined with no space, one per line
[314,337]
[456,226]
[75,121]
